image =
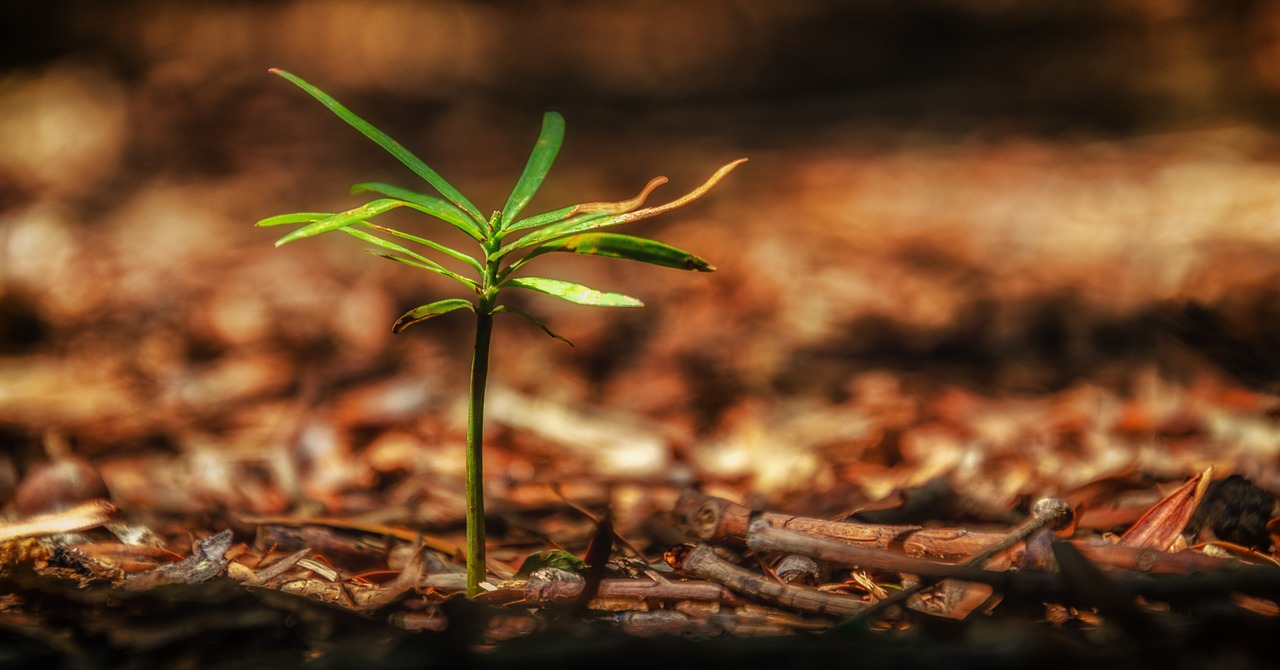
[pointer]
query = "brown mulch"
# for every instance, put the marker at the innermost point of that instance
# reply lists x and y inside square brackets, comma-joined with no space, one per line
[986,397]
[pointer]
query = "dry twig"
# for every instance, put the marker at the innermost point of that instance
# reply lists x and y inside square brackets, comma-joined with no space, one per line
[703,562]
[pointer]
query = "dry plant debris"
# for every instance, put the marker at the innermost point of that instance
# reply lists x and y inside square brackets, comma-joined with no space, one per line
[694,569]
[239,469]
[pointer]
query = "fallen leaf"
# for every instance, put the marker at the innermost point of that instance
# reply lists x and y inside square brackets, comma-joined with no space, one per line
[1161,527]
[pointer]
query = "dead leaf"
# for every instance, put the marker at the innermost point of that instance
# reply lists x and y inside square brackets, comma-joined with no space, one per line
[1161,527]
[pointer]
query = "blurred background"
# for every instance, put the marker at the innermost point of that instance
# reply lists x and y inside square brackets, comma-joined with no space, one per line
[948,205]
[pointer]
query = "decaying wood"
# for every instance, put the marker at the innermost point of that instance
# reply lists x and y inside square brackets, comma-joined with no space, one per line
[721,521]
[268,573]
[129,558]
[208,559]
[86,515]
[540,590]
[764,537]
[1047,514]
[702,562]
[398,532]
[1153,561]
[403,583]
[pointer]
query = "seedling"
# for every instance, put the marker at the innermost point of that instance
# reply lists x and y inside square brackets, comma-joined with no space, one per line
[507,245]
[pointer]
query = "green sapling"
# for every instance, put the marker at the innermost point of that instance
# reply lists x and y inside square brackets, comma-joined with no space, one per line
[507,244]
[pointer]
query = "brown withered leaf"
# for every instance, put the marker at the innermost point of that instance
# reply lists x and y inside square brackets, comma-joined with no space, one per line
[1161,527]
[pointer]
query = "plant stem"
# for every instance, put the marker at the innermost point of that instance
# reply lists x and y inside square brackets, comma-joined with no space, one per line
[475,452]
[476,569]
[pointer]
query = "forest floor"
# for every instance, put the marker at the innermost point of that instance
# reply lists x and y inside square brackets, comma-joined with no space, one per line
[214,453]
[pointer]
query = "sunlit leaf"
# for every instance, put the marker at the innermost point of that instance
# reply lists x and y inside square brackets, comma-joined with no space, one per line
[622,205]
[473,263]
[554,216]
[544,154]
[612,245]
[592,211]
[391,146]
[576,293]
[418,314]
[430,267]
[298,217]
[685,199]
[441,209]
[342,220]
[419,260]
[531,319]
[572,227]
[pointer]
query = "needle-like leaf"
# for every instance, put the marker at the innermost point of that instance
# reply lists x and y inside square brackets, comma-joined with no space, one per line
[430,311]
[471,262]
[391,146]
[531,319]
[419,260]
[342,220]
[586,210]
[298,217]
[572,227]
[544,154]
[441,209]
[334,222]
[564,230]
[577,293]
[613,245]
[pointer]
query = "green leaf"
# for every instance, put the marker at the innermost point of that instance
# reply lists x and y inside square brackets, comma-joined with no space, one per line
[430,268]
[544,154]
[554,230]
[592,221]
[342,220]
[598,210]
[471,262]
[542,219]
[419,260]
[430,311]
[441,209]
[613,245]
[299,217]
[391,146]
[531,319]
[572,292]
[552,558]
